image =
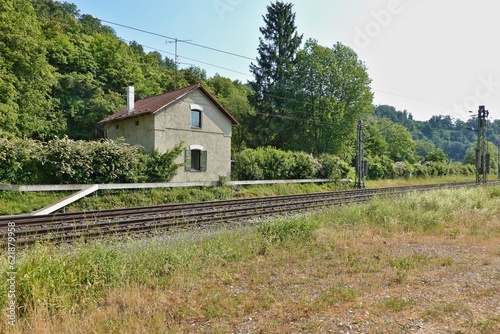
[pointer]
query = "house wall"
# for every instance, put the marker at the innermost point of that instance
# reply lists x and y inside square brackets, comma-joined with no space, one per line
[135,131]
[173,125]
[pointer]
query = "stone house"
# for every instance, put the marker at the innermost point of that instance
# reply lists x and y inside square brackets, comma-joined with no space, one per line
[190,115]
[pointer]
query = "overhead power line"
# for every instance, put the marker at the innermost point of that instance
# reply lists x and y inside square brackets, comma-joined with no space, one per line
[217,50]
[173,38]
[232,54]
[195,60]
[407,97]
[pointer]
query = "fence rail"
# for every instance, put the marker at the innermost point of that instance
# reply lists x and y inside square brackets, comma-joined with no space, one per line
[114,186]
[86,189]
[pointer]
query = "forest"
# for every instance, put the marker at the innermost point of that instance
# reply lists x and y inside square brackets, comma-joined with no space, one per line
[61,71]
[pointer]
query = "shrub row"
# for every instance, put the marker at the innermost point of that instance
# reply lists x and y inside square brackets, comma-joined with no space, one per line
[384,168]
[65,161]
[272,164]
[268,163]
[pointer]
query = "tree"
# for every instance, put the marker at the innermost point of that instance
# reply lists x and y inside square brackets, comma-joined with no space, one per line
[375,141]
[277,49]
[329,91]
[437,155]
[491,149]
[386,138]
[402,147]
[233,95]
[423,148]
[26,78]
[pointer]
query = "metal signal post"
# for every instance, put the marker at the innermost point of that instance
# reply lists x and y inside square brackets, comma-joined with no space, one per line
[482,156]
[360,158]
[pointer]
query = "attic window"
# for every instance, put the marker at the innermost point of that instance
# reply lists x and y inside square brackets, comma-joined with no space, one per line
[196,111]
[136,123]
[196,119]
[117,127]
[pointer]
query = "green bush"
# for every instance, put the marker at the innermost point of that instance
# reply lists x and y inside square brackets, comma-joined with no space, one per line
[430,168]
[276,164]
[379,167]
[402,169]
[248,165]
[162,167]
[273,164]
[73,162]
[420,170]
[66,161]
[303,166]
[20,160]
[332,167]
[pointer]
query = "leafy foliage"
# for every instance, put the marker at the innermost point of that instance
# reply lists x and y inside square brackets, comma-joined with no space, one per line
[26,76]
[19,160]
[272,164]
[234,96]
[66,161]
[62,71]
[441,134]
[330,93]
[161,167]
[332,167]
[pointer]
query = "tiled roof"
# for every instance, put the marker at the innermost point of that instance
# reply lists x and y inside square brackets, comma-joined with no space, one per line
[155,103]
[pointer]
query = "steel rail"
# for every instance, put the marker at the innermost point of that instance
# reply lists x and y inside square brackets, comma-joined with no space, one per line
[65,227]
[137,211]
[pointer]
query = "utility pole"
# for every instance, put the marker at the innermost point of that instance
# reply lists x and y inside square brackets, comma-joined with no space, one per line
[176,59]
[498,160]
[360,158]
[482,156]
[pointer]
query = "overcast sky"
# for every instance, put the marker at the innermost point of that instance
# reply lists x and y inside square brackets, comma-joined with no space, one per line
[429,57]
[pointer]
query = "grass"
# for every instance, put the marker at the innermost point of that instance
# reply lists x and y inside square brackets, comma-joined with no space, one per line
[377,267]
[394,304]
[15,202]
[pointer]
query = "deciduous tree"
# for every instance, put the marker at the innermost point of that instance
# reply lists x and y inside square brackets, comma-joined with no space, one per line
[331,92]
[26,78]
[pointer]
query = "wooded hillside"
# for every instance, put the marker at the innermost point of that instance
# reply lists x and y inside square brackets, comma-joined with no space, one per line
[61,71]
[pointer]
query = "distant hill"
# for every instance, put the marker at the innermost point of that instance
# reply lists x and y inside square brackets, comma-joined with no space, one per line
[443,132]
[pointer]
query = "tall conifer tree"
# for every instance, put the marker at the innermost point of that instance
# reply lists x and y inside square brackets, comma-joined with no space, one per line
[278,47]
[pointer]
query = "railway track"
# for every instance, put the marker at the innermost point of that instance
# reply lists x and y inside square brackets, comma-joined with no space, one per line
[67,227]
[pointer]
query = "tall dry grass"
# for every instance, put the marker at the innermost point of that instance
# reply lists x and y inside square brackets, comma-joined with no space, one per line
[383,267]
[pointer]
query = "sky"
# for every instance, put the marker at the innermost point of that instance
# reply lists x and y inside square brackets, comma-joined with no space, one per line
[428,57]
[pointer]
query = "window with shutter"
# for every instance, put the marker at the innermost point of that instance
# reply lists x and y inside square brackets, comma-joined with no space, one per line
[187,160]
[203,160]
[195,159]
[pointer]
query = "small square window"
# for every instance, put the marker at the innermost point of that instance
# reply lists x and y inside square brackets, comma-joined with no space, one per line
[195,119]
[136,123]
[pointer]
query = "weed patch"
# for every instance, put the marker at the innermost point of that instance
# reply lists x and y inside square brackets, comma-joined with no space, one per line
[296,230]
[392,304]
